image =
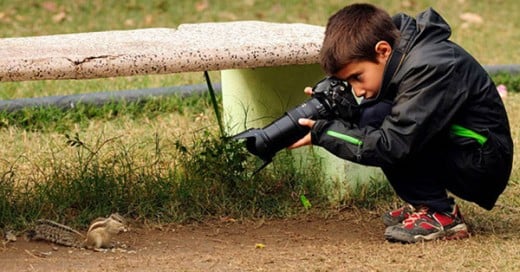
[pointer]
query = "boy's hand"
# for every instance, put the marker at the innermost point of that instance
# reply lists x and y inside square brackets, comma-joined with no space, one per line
[308,91]
[306,140]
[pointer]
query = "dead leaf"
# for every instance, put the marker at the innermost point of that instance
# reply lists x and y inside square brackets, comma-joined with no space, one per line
[148,19]
[471,18]
[407,4]
[228,16]
[19,18]
[49,6]
[60,17]
[129,22]
[201,5]
[227,219]
[38,254]
[259,245]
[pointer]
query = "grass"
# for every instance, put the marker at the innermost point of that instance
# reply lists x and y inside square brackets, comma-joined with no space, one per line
[161,164]
[160,160]
[50,118]
[163,160]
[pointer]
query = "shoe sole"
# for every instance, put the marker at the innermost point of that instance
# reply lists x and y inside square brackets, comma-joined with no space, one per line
[457,232]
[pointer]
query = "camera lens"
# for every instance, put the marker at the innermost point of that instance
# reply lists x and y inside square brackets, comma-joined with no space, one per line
[283,132]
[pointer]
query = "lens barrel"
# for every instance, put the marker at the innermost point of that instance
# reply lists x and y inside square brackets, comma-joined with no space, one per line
[284,131]
[331,97]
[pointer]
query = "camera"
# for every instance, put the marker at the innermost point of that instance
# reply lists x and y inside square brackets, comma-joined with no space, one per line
[331,98]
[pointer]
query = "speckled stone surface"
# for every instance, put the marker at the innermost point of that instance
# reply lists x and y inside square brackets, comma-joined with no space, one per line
[189,48]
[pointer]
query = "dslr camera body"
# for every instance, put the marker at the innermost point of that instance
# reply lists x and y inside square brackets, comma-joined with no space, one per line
[331,98]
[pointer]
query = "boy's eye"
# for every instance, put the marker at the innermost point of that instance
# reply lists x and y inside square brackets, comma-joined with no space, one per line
[356,77]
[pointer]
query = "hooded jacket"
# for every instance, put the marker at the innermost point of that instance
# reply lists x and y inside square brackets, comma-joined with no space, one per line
[440,95]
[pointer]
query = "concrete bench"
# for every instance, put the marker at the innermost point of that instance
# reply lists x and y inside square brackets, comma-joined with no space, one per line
[190,47]
[264,66]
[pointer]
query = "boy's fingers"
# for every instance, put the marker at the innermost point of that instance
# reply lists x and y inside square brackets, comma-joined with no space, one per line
[306,122]
[306,140]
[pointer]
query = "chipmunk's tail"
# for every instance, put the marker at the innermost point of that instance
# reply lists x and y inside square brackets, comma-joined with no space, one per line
[51,231]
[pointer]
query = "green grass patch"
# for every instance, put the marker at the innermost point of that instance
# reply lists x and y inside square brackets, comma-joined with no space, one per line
[52,118]
[511,81]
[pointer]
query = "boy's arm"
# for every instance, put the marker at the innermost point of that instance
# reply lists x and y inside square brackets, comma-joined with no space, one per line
[424,106]
[342,139]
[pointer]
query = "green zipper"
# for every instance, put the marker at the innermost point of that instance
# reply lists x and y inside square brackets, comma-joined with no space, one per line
[468,133]
[346,138]
[455,129]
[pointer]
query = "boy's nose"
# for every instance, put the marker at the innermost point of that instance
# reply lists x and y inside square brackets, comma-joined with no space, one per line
[359,92]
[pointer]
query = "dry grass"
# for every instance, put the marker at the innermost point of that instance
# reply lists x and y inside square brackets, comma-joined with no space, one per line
[32,155]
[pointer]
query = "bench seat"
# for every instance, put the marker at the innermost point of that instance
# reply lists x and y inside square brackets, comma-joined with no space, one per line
[189,48]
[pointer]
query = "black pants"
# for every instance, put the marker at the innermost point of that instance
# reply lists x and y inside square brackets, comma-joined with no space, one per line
[474,172]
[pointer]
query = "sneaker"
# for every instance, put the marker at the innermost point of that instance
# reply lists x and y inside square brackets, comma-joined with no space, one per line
[395,217]
[425,225]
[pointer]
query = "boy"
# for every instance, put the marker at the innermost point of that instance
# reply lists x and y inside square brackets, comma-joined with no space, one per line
[431,118]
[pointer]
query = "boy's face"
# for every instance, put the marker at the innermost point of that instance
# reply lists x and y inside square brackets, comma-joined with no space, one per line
[366,77]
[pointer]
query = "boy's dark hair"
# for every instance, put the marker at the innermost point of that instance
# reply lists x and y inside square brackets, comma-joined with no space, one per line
[352,34]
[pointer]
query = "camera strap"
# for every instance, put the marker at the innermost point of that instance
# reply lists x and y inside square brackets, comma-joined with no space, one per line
[395,61]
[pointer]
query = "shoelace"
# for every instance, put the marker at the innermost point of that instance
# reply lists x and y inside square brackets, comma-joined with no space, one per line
[406,209]
[412,218]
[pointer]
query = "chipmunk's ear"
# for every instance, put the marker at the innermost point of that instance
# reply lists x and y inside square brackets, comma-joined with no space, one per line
[117,217]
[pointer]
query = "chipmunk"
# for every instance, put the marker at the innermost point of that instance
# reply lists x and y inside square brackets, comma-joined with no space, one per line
[99,234]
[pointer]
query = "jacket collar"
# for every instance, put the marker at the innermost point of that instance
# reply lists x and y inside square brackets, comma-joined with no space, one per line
[427,25]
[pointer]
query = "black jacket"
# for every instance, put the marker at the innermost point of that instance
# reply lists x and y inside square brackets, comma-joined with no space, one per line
[434,85]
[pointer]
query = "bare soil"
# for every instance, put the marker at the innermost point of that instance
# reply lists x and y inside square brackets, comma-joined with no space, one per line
[348,241]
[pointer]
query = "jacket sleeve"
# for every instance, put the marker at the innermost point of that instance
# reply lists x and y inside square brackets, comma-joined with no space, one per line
[423,107]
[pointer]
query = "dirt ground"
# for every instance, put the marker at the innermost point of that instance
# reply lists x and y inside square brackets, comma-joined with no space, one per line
[348,241]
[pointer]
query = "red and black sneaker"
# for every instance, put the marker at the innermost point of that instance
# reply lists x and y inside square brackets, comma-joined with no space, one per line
[425,225]
[395,217]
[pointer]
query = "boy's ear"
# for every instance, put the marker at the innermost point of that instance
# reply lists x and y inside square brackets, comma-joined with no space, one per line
[383,50]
